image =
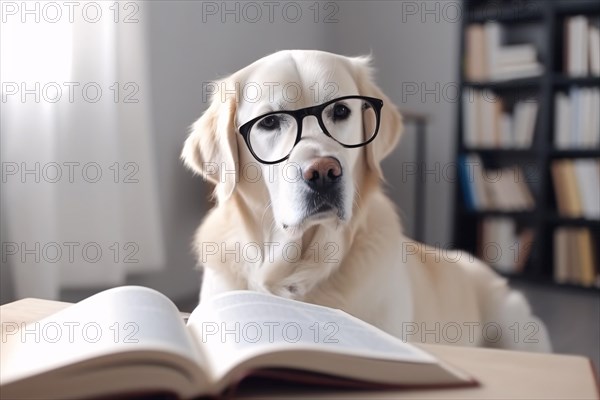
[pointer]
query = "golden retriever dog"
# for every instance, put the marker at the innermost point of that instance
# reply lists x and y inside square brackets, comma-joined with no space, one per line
[293,144]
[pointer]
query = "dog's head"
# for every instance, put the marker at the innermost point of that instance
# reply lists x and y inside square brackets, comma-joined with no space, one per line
[289,131]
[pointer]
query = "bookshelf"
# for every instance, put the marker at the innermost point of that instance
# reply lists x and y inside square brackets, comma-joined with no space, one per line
[542,24]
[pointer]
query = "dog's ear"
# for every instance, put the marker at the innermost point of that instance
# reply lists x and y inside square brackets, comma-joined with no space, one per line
[211,148]
[390,127]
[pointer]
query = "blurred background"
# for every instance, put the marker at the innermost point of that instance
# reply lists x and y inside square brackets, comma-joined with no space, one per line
[97,99]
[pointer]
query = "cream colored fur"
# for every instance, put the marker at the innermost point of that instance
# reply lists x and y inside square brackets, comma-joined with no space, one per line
[363,265]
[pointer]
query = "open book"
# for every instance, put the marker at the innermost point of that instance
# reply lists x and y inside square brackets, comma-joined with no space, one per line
[132,340]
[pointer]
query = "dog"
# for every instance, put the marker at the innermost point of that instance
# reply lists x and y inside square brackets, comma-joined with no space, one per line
[293,144]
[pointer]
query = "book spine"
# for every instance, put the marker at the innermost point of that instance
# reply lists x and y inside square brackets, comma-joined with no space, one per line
[465,173]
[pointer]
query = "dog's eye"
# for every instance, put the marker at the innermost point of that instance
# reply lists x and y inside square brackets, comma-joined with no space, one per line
[340,112]
[269,123]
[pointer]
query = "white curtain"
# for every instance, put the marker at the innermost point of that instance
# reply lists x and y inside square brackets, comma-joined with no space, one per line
[80,204]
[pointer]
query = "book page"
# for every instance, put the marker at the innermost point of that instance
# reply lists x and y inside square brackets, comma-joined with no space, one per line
[119,320]
[238,325]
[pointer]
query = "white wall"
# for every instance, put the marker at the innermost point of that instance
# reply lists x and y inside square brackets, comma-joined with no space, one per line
[188,48]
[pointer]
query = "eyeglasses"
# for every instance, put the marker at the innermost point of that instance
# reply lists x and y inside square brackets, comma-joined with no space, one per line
[272,136]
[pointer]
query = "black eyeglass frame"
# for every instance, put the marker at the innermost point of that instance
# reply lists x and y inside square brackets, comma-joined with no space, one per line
[315,111]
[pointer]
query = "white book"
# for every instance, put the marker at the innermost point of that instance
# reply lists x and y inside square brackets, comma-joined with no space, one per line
[507,139]
[531,110]
[576,116]
[479,103]
[572,46]
[516,54]
[588,182]
[594,47]
[470,117]
[593,132]
[583,45]
[519,71]
[577,46]
[144,347]
[562,121]
[595,142]
[520,122]
[493,39]
[488,127]
[561,261]
[587,119]
[525,118]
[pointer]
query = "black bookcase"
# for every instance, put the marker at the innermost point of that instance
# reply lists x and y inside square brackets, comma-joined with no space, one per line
[547,17]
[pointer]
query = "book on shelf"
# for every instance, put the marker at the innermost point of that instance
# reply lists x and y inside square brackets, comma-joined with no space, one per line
[503,189]
[502,246]
[576,119]
[577,187]
[488,125]
[140,345]
[576,257]
[489,59]
[476,68]
[582,46]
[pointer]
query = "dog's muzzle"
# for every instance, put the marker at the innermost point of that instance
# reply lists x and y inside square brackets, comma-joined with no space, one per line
[323,178]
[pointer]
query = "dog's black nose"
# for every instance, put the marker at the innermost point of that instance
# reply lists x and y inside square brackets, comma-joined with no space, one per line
[322,173]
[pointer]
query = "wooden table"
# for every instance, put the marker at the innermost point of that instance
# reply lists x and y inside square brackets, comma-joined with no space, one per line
[503,374]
